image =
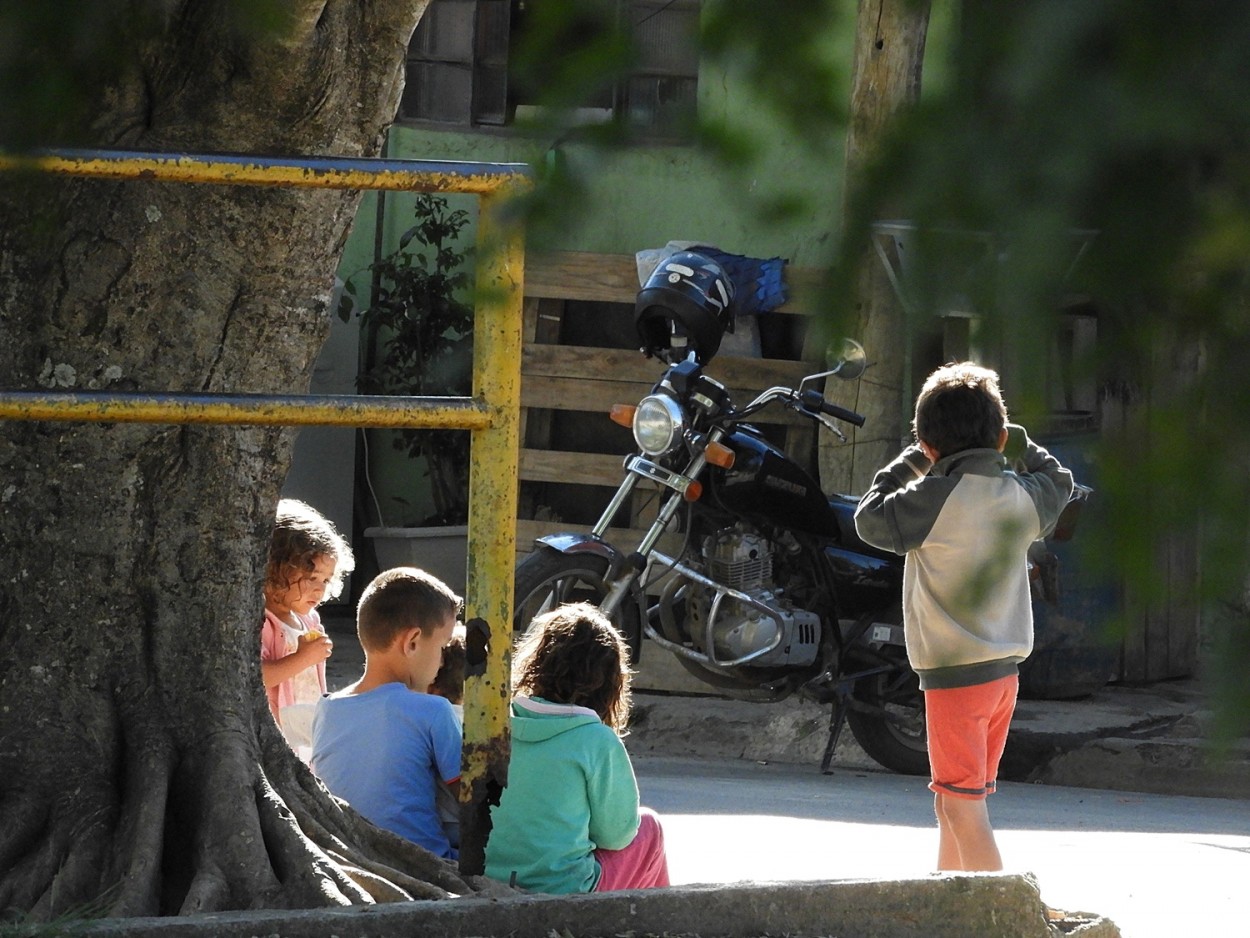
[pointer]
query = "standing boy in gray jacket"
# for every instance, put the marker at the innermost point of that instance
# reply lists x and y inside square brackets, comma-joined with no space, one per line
[964,514]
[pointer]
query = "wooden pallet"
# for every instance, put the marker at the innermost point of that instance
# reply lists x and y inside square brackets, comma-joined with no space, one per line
[558,376]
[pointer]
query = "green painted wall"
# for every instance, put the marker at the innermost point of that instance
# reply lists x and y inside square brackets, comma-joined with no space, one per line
[639,198]
[647,195]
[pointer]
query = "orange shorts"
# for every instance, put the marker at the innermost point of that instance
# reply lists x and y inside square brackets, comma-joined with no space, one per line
[967,729]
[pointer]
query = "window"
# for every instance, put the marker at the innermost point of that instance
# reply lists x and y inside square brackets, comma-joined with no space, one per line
[467,63]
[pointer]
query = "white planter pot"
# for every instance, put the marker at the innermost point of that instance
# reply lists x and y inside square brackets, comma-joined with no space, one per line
[442,551]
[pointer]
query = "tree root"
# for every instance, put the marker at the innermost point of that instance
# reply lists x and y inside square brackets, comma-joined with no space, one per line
[25,824]
[141,827]
[211,833]
[331,824]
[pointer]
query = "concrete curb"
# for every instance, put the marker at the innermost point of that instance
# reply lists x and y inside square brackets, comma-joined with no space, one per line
[1158,766]
[940,906]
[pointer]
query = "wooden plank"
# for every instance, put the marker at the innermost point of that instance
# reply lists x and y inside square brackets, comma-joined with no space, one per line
[575,275]
[613,278]
[529,318]
[549,318]
[578,361]
[583,394]
[579,394]
[575,361]
[757,374]
[541,465]
[747,375]
[542,324]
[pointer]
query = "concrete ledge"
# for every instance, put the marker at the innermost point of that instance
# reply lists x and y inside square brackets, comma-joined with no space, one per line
[940,906]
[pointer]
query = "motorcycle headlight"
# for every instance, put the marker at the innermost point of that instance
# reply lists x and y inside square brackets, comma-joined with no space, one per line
[658,424]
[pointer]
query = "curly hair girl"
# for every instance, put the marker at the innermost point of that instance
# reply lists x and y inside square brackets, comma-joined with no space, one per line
[307,562]
[574,655]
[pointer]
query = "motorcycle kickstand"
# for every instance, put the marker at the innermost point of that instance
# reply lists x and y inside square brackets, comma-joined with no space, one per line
[837,720]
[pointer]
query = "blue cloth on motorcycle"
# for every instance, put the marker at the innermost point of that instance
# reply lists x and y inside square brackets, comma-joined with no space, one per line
[758,281]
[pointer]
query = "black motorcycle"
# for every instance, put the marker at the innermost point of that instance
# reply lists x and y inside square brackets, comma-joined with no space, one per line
[772,592]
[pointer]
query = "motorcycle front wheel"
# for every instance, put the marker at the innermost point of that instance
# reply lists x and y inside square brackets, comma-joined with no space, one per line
[889,725]
[547,579]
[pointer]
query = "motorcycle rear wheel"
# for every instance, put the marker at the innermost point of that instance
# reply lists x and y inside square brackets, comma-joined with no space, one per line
[893,731]
[547,579]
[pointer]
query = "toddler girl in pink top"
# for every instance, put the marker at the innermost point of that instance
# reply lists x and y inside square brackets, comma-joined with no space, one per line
[307,561]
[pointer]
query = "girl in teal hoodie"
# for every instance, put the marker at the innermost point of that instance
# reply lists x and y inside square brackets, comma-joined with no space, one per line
[569,819]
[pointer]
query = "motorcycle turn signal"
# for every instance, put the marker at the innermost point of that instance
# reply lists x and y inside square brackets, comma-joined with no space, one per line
[623,414]
[718,454]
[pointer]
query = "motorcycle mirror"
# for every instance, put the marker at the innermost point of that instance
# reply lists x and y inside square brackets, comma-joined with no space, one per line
[846,359]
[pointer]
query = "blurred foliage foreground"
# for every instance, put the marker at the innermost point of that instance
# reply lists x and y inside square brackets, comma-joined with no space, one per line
[1131,119]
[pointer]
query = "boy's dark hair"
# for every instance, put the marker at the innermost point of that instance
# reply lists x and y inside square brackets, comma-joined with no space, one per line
[399,599]
[449,682]
[574,655]
[959,408]
[300,535]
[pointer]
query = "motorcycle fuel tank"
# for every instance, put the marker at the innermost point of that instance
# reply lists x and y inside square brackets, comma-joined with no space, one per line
[765,486]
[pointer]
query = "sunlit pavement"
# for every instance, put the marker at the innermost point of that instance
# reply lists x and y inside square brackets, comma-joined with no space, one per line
[1157,865]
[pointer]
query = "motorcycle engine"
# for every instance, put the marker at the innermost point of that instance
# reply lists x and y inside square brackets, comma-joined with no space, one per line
[743,560]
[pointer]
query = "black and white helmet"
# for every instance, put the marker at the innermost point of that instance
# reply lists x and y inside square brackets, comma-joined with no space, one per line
[685,306]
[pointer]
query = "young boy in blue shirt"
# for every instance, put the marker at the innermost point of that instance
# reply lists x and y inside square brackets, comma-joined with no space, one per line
[383,744]
[964,514]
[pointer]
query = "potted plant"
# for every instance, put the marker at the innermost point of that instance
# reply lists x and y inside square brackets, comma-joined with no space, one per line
[417,335]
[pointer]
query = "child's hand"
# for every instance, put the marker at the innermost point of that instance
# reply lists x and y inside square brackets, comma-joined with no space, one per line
[314,647]
[1017,443]
[919,458]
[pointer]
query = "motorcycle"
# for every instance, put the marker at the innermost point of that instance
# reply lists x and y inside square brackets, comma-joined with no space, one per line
[772,592]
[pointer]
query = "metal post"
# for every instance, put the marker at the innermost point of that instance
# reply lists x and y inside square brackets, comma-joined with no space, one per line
[492,527]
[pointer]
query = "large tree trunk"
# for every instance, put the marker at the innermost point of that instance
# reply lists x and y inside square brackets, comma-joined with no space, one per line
[140,770]
[889,52]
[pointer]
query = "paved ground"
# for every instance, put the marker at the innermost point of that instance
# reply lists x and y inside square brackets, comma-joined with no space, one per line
[1159,866]
[1146,739]
[745,803]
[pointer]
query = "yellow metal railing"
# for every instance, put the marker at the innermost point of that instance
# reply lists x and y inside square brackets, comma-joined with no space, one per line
[492,414]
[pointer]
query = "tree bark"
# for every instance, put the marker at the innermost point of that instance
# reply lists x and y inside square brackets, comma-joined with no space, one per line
[140,770]
[889,54]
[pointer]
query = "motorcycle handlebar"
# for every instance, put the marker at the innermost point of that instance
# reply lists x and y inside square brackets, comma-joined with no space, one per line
[814,400]
[833,410]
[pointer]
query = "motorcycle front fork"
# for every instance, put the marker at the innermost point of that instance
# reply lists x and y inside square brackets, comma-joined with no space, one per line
[636,469]
[621,580]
